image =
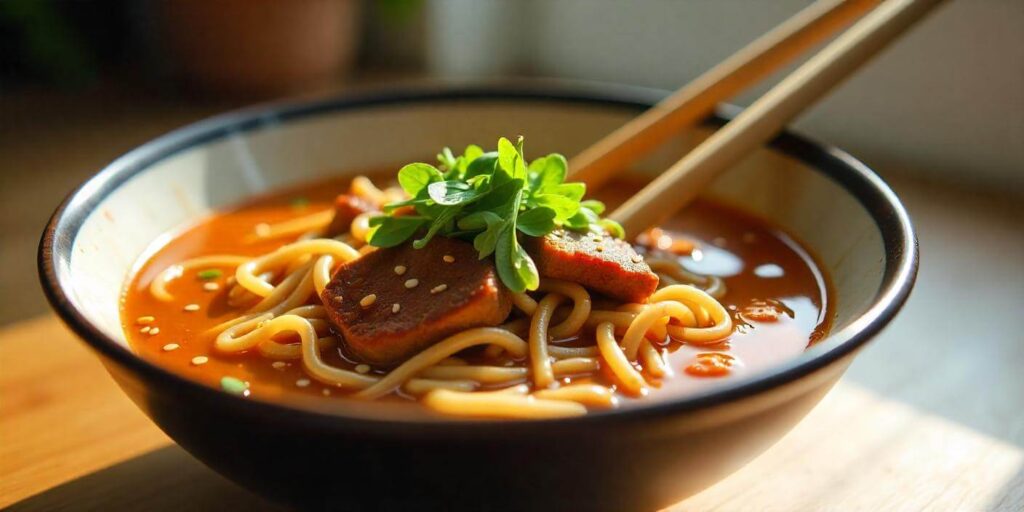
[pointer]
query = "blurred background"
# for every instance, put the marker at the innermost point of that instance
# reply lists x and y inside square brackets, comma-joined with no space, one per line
[940,114]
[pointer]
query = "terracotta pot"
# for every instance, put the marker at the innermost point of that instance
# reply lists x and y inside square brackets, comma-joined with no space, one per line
[260,48]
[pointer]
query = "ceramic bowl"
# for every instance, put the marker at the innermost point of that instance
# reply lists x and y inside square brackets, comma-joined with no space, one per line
[634,458]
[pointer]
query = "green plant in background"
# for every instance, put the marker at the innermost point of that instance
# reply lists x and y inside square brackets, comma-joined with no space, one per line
[398,11]
[45,44]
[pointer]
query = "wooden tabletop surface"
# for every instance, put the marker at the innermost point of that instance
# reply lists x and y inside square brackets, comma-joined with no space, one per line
[929,417]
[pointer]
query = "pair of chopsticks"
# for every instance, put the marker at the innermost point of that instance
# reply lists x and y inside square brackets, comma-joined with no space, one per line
[759,122]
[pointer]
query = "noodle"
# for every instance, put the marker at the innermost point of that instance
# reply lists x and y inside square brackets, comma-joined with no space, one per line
[722,327]
[540,362]
[586,394]
[246,273]
[315,223]
[631,379]
[652,360]
[677,273]
[361,226]
[575,365]
[423,386]
[446,347]
[500,405]
[158,287]
[483,374]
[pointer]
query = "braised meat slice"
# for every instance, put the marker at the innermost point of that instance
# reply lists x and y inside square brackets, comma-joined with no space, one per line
[346,208]
[392,303]
[601,263]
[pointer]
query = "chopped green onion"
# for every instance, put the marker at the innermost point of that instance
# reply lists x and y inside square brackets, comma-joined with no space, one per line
[210,273]
[234,386]
[299,202]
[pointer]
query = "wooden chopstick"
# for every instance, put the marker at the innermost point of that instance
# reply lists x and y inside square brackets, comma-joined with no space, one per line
[698,99]
[769,114]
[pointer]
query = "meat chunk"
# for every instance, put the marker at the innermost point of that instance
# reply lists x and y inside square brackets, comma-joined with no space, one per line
[601,263]
[346,208]
[420,296]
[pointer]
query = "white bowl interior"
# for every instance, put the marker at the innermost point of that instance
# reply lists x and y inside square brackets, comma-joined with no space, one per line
[189,184]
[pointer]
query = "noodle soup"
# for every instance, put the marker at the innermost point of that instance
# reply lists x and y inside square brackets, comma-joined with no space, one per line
[186,294]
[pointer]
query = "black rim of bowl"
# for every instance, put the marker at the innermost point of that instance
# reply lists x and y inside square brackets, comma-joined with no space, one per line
[867,187]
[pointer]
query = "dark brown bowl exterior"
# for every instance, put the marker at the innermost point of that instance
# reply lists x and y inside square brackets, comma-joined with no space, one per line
[631,459]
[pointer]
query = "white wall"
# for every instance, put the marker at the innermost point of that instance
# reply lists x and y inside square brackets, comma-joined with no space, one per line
[946,101]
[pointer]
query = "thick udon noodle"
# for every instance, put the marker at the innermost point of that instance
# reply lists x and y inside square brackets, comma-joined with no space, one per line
[284,289]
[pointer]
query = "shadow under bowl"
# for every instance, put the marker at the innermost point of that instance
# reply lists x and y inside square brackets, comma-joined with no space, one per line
[640,457]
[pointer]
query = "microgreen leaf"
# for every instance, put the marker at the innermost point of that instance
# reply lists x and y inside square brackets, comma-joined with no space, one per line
[447,159]
[510,159]
[564,207]
[415,177]
[613,228]
[593,205]
[478,220]
[471,153]
[482,165]
[515,268]
[547,172]
[572,191]
[485,242]
[537,221]
[442,221]
[392,231]
[451,192]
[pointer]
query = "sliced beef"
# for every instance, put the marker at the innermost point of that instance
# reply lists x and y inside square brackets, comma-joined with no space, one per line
[346,208]
[599,262]
[454,291]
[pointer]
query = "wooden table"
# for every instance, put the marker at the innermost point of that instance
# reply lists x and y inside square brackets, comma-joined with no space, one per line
[930,416]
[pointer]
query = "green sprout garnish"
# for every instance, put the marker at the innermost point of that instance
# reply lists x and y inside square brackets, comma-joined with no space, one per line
[234,386]
[488,198]
[208,274]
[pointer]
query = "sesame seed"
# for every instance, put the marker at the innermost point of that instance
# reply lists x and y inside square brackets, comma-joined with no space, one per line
[263,229]
[326,392]
[636,258]
[338,299]
[145,329]
[192,307]
[400,269]
[211,287]
[154,331]
[368,300]
[200,360]
[171,346]
[143,320]
[363,368]
[412,283]
[448,258]
[599,248]
[302,383]
[439,288]
[278,365]
[396,307]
